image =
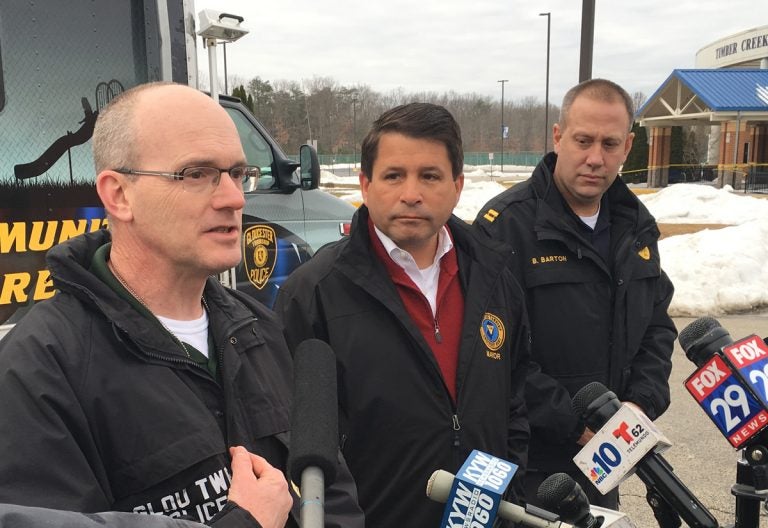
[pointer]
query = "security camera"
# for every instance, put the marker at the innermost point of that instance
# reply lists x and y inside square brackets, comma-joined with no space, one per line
[219,26]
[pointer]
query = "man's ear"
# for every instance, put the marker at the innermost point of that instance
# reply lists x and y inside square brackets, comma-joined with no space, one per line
[364,183]
[557,135]
[628,144]
[459,183]
[111,188]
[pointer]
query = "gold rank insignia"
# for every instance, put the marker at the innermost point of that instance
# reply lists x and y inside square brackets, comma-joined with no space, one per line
[491,215]
[645,253]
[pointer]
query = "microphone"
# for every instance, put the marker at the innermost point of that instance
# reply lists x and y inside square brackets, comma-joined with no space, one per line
[439,489]
[597,405]
[563,495]
[702,339]
[312,459]
[731,383]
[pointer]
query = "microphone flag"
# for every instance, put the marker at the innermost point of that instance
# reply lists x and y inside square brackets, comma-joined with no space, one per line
[612,454]
[477,490]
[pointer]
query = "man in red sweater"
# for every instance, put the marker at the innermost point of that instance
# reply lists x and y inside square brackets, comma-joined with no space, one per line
[428,325]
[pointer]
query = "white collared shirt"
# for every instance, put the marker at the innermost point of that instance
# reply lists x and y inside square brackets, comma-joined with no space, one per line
[425,279]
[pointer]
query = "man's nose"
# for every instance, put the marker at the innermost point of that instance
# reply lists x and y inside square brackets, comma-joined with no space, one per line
[595,155]
[229,193]
[410,192]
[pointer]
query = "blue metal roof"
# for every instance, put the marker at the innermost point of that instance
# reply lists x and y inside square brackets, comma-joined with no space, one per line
[727,89]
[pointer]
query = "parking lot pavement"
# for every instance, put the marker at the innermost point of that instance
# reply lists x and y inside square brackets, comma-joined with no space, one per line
[701,457]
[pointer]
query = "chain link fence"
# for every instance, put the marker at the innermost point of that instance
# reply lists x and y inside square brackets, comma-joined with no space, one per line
[525,159]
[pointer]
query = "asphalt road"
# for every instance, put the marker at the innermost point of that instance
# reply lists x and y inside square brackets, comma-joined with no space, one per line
[701,457]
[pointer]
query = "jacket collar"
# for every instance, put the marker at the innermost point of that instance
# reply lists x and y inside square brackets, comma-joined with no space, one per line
[69,264]
[358,261]
[624,205]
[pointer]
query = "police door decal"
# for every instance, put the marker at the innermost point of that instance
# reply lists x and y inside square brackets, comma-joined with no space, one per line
[259,254]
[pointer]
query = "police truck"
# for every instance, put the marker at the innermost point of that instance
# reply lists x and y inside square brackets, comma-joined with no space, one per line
[60,64]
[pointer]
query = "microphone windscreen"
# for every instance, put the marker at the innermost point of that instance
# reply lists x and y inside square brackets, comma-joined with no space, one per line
[439,485]
[561,494]
[702,339]
[314,418]
[586,395]
[555,489]
[696,330]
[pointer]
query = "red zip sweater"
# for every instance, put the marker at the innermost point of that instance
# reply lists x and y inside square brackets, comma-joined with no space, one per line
[443,331]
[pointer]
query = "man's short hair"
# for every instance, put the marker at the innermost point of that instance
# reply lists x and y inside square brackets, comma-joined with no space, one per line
[600,90]
[419,121]
[114,135]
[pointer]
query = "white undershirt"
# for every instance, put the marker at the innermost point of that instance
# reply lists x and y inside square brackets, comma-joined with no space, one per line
[194,332]
[425,279]
[591,221]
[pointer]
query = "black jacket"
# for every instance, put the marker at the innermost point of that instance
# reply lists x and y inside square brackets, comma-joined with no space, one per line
[398,422]
[591,320]
[100,410]
[15,516]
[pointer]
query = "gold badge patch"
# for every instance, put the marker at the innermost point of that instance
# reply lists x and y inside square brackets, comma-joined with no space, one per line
[492,331]
[259,254]
[645,253]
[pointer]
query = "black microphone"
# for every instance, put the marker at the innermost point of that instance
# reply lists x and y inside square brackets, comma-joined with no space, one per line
[313,454]
[561,494]
[596,404]
[702,339]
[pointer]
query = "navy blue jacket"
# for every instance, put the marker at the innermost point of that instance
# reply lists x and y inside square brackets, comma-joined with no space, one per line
[591,319]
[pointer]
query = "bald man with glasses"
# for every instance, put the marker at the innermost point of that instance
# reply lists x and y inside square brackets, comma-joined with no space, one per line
[125,391]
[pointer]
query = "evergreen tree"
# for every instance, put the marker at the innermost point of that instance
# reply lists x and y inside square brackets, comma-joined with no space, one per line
[638,155]
[676,146]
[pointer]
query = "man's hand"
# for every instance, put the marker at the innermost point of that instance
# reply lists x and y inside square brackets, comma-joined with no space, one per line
[259,488]
[634,406]
[585,437]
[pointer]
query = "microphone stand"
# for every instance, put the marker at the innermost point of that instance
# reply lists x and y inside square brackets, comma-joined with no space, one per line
[665,515]
[751,475]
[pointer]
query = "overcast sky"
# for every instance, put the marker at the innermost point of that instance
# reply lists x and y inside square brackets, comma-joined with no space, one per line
[467,46]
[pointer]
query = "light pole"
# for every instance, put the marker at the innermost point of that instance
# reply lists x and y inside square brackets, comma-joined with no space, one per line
[587,39]
[226,85]
[546,91]
[502,81]
[354,130]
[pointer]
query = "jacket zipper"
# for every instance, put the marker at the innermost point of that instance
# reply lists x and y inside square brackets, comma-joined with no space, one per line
[438,335]
[456,429]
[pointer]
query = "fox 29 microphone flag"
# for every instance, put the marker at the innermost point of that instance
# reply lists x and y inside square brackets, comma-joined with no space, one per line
[731,383]
[476,492]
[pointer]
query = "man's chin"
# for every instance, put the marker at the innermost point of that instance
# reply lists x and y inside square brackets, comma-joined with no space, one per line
[222,266]
[407,240]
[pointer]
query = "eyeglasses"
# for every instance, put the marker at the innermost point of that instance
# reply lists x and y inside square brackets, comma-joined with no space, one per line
[198,179]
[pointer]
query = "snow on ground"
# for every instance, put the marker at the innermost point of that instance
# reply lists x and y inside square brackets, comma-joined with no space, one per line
[715,271]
